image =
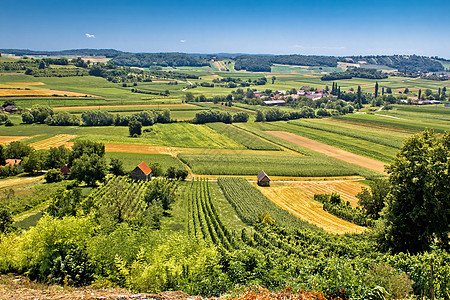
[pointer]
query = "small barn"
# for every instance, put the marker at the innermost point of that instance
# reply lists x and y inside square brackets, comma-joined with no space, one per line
[263,179]
[141,172]
[65,170]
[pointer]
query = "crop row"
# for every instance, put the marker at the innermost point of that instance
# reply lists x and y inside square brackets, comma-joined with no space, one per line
[279,230]
[277,164]
[129,191]
[203,219]
[375,135]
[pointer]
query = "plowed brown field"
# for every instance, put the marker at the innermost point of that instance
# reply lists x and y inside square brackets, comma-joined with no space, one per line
[294,200]
[331,151]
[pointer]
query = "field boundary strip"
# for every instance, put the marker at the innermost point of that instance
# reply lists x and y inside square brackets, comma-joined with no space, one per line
[331,151]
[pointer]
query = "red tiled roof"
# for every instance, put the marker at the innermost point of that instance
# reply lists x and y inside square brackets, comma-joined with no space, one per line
[12,162]
[144,168]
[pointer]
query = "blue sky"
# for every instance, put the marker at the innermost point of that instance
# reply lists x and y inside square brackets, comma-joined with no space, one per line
[322,27]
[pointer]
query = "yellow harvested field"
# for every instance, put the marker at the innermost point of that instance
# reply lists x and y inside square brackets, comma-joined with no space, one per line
[294,200]
[9,139]
[346,188]
[56,141]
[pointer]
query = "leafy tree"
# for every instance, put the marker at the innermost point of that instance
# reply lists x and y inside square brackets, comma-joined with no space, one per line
[27,118]
[170,173]
[418,204]
[53,175]
[81,147]
[34,162]
[260,116]
[116,167]
[420,94]
[6,220]
[161,191]
[65,202]
[9,102]
[189,97]
[444,90]
[358,97]
[89,169]
[8,123]
[157,170]
[135,128]
[181,174]
[406,91]
[240,117]
[18,150]
[376,89]
[373,200]
[57,157]
[2,156]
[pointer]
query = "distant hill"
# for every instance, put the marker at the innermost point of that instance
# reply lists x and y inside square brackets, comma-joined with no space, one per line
[73,52]
[410,63]
[146,60]
[252,63]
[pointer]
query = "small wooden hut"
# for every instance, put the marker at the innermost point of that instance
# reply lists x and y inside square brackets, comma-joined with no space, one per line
[141,172]
[65,170]
[263,179]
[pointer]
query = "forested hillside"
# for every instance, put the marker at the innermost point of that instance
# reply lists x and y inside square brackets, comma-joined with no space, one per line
[410,63]
[158,59]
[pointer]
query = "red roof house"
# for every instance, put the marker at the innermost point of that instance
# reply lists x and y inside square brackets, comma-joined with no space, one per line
[141,172]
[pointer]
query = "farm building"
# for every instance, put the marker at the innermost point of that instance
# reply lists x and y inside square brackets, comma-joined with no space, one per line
[141,172]
[275,102]
[14,162]
[263,179]
[65,170]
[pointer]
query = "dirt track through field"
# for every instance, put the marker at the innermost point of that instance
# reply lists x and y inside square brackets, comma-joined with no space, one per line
[331,151]
[298,203]
[17,181]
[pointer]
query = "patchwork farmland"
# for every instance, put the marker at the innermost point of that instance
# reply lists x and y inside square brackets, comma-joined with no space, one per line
[209,127]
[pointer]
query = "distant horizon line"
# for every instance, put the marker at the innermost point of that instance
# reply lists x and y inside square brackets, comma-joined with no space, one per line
[221,53]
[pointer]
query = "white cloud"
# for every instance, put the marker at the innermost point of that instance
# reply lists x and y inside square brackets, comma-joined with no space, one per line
[182,41]
[89,36]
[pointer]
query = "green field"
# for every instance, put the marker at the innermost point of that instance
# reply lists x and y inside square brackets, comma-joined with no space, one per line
[250,141]
[274,164]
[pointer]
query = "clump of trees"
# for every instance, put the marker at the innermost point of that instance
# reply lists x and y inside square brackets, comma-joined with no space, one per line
[355,72]
[210,116]
[276,114]
[417,211]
